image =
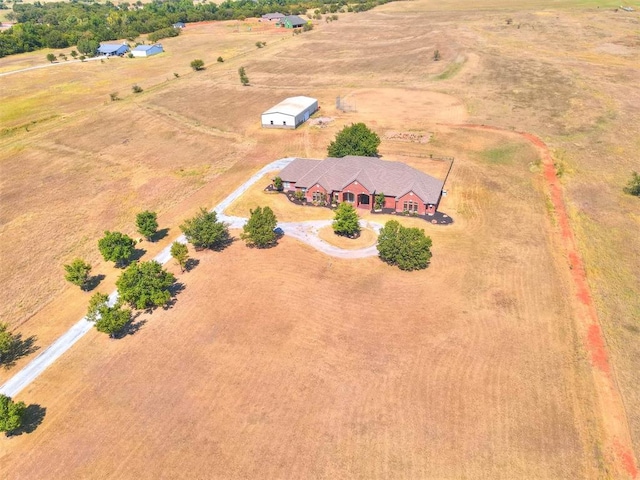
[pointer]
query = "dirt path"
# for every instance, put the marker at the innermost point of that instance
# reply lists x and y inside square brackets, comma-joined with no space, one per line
[48,65]
[618,438]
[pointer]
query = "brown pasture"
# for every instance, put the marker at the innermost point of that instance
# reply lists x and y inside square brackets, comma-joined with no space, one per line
[473,368]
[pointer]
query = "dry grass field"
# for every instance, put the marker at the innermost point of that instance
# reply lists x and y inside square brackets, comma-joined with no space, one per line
[474,368]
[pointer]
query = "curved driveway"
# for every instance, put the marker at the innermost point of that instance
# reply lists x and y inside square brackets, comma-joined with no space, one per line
[304,231]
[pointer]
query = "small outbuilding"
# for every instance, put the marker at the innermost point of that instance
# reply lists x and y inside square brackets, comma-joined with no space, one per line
[292,21]
[290,113]
[147,50]
[112,49]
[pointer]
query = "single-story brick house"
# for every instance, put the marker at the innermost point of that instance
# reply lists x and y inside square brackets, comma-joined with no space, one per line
[358,180]
[292,21]
[111,49]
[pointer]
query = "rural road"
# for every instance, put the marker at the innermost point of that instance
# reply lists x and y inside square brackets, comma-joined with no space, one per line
[50,65]
[304,231]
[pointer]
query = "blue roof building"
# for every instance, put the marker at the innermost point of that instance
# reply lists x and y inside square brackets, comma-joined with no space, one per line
[147,50]
[110,49]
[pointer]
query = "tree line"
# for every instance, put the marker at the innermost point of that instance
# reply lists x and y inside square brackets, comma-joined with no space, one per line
[85,24]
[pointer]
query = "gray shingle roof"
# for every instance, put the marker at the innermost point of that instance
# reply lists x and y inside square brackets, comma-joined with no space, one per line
[376,175]
[294,19]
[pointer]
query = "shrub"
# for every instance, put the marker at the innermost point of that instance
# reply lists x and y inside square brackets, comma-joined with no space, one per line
[137,89]
[633,187]
[220,60]
[197,64]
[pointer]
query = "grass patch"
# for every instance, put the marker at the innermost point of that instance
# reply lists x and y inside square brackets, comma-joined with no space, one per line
[451,71]
[502,155]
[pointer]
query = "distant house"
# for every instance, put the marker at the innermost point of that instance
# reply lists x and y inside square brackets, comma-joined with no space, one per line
[111,49]
[290,113]
[179,25]
[358,180]
[147,50]
[273,16]
[292,21]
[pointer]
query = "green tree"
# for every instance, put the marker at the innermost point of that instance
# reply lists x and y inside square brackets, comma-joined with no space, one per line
[11,414]
[356,139]
[145,285]
[388,242]
[243,76]
[51,57]
[180,253]
[408,248]
[346,221]
[277,183]
[633,187]
[87,46]
[97,302]
[197,65]
[259,229]
[116,247]
[78,273]
[113,319]
[205,231]
[147,223]
[74,54]
[379,202]
[6,340]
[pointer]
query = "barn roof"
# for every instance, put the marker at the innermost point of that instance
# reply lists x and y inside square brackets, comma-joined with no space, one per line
[273,16]
[376,175]
[294,19]
[144,48]
[111,47]
[292,105]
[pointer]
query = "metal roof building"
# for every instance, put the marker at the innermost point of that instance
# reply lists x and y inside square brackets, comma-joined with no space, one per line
[110,49]
[147,50]
[290,113]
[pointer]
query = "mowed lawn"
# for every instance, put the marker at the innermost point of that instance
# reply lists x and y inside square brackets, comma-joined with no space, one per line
[285,363]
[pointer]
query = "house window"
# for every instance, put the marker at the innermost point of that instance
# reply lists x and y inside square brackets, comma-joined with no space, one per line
[348,197]
[285,185]
[410,206]
[284,122]
[318,197]
[271,122]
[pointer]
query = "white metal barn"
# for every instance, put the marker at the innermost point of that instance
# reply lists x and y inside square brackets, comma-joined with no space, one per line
[147,50]
[290,113]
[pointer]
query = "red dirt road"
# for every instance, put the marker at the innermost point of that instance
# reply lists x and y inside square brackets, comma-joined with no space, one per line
[618,439]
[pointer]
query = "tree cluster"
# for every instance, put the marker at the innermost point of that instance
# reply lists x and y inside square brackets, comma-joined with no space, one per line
[355,139]
[408,248]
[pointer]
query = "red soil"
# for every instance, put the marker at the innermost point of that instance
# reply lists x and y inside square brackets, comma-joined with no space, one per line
[595,341]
